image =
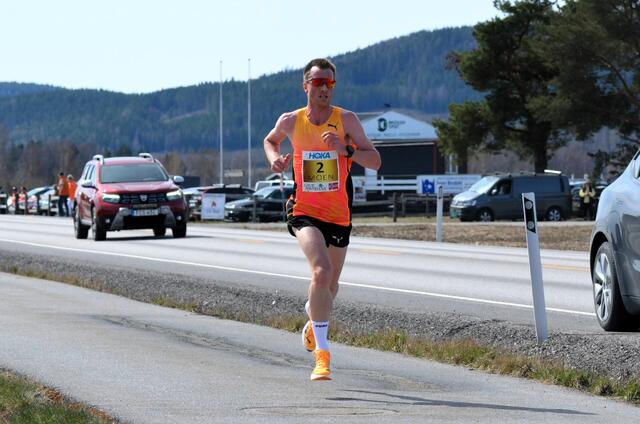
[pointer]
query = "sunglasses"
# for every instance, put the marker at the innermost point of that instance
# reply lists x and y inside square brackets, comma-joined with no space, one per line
[319,82]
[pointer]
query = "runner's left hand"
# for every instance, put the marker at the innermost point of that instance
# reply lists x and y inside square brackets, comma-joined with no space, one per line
[333,142]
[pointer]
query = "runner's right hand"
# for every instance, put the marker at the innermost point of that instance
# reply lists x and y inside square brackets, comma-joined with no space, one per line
[281,164]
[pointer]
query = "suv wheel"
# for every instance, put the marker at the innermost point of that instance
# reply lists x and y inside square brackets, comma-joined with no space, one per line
[554,213]
[97,232]
[160,231]
[485,215]
[610,311]
[180,230]
[81,231]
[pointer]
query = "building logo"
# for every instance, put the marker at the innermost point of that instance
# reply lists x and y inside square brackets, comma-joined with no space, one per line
[382,124]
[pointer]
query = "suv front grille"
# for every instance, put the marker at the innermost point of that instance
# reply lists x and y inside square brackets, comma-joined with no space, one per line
[142,198]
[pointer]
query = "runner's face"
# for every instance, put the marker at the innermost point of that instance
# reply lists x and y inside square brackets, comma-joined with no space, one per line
[320,96]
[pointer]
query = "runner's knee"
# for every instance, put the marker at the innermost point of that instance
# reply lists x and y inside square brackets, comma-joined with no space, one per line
[321,275]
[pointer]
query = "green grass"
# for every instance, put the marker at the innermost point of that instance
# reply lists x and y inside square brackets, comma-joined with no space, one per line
[466,353]
[24,402]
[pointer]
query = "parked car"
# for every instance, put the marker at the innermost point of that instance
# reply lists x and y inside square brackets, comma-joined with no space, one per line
[615,252]
[269,203]
[125,193]
[48,202]
[33,197]
[273,183]
[231,191]
[500,197]
[576,185]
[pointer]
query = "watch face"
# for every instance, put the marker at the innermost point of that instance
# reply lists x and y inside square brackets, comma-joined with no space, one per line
[350,150]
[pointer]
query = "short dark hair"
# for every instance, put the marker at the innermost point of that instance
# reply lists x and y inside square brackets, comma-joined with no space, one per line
[320,63]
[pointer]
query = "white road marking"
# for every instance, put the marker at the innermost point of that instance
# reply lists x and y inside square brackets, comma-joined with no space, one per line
[273,274]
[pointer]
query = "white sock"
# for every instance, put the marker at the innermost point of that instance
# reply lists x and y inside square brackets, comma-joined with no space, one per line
[306,308]
[320,330]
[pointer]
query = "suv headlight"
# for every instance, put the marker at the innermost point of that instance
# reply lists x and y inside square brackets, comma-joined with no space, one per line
[174,195]
[111,198]
[467,202]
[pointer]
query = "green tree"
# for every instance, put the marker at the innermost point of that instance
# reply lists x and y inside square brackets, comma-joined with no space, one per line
[516,79]
[467,128]
[595,45]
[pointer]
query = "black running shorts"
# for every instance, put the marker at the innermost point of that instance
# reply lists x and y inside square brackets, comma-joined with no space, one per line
[335,235]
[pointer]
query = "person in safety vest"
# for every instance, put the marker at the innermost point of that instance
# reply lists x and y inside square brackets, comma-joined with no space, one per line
[73,185]
[62,187]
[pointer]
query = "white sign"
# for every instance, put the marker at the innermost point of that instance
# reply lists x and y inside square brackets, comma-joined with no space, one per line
[451,184]
[233,173]
[359,189]
[212,206]
[396,126]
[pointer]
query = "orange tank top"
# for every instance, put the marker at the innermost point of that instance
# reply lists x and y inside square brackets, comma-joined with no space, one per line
[321,175]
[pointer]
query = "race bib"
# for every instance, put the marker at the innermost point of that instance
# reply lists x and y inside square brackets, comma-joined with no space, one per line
[320,171]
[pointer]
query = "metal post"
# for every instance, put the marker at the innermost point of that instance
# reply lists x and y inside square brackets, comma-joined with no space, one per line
[221,132]
[254,218]
[249,125]
[439,214]
[284,207]
[535,265]
[395,211]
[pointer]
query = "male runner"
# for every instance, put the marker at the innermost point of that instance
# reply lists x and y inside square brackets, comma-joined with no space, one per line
[325,140]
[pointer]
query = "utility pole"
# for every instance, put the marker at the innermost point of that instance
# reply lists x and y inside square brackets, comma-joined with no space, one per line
[221,144]
[249,125]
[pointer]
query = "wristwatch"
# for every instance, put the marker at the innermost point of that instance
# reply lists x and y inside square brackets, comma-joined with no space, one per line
[350,150]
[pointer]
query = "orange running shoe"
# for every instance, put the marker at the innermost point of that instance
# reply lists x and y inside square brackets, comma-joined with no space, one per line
[308,338]
[321,371]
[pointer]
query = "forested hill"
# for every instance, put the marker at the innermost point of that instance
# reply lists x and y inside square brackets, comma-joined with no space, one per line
[10,89]
[407,72]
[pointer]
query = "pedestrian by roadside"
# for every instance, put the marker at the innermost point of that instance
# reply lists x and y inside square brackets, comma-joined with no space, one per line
[326,139]
[73,185]
[62,187]
[587,200]
[13,200]
[22,200]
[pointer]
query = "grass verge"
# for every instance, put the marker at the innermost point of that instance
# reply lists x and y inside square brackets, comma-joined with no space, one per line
[22,401]
[466,353]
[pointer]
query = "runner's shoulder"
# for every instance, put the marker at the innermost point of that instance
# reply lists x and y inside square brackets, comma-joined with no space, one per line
[287,121]
[348,116]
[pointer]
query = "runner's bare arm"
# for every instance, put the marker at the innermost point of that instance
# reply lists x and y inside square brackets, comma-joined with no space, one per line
[366,154]
[284,127]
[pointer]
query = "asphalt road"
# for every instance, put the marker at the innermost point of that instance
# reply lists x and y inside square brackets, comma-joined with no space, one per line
[488,282]
[143,363]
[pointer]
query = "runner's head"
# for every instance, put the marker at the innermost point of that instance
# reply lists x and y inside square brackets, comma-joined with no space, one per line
[320,64]
[318,81]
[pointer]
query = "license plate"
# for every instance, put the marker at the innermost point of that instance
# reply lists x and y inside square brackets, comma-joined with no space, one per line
[453,213]
[144,212]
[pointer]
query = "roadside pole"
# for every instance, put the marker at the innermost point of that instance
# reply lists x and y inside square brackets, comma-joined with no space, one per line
[535,265]
[284,207]
[439,214]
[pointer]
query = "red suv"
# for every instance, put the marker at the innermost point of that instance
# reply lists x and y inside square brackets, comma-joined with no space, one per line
[127,193]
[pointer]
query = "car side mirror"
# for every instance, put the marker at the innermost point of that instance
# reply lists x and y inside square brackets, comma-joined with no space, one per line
[87,184]
[636,168]
[494,191]
[178,180]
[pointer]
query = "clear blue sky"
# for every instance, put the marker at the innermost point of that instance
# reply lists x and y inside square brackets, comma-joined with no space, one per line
[138,46]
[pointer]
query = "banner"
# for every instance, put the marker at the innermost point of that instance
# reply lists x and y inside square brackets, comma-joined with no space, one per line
[451,184]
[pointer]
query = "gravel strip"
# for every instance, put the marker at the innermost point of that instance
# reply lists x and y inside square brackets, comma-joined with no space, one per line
[607,354]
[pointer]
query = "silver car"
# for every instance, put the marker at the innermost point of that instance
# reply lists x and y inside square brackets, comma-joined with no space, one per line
[615,252]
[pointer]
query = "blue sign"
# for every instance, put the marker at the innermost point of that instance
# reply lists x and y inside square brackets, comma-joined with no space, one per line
[428,186]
